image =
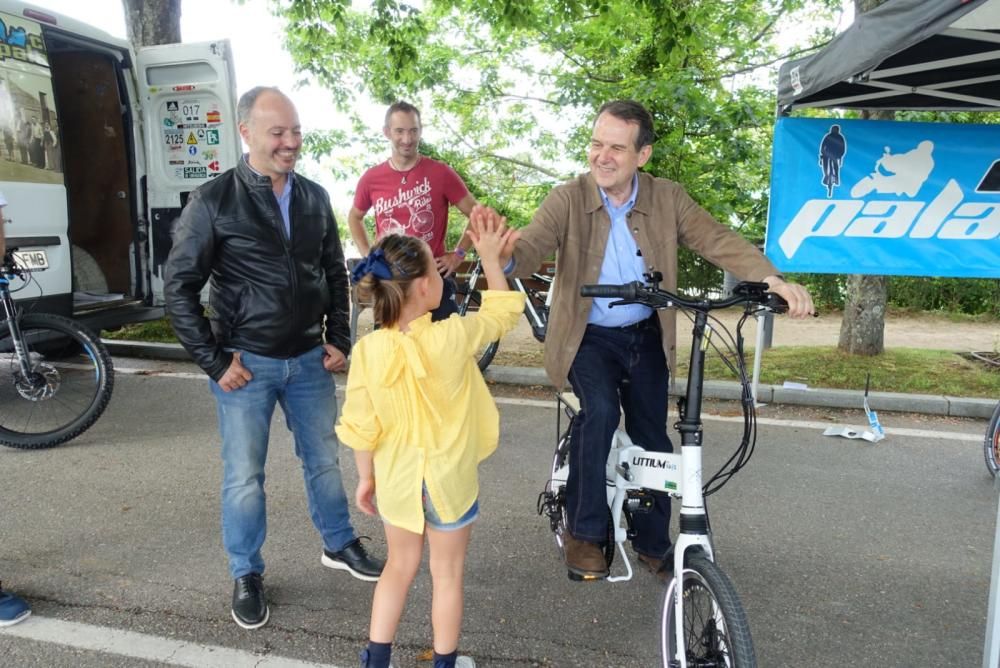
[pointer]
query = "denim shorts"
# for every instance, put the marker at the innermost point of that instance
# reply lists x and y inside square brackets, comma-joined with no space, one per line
[434,521]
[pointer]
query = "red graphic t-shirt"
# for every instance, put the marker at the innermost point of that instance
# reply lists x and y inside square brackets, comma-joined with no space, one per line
[416,208]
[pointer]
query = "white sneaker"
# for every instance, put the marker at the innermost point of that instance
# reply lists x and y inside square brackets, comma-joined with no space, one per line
[465,662]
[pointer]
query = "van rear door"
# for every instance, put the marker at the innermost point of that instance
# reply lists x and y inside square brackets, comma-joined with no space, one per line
[31,176]
[189,115]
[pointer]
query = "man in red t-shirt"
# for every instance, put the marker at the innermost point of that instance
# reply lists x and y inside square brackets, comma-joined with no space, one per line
[410,194]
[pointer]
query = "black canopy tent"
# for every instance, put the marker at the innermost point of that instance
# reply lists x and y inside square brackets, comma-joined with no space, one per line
[904,54]
[939,55]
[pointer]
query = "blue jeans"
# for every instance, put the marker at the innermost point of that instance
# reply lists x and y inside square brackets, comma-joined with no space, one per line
[616,367]
[305,391]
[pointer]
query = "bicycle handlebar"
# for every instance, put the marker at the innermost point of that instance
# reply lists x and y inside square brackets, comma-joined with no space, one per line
[627,291]
[8,267]
[652,296]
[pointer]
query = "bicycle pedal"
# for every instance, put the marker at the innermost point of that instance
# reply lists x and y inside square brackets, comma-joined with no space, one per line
[576,577]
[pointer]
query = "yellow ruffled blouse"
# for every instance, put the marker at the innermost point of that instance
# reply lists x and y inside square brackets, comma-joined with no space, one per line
[418,399]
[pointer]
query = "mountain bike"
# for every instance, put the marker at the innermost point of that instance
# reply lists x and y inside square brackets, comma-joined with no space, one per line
[702,622]
[538,291]
[56,377]
[991,444]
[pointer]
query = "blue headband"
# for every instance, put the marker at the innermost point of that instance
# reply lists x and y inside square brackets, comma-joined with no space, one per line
[375,264]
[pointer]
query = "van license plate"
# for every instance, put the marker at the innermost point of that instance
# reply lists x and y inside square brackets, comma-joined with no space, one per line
[31,259]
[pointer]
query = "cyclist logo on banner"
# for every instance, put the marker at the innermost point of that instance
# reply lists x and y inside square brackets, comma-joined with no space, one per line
[916,199]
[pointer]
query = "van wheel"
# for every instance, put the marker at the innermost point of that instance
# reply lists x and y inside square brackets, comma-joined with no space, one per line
[87,274]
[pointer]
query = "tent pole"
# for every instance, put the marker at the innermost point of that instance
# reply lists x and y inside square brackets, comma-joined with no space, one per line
[758,354]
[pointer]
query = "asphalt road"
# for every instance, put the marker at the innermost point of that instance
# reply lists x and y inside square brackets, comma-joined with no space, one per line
[844,553]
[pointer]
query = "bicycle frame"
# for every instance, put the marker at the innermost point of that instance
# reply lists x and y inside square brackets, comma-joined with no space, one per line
[694,528]
[536,310]
[633,469]
[475,271]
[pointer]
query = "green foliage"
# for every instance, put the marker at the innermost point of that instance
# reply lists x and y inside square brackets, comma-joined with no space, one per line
[955,295]
[968,296]
[512,85]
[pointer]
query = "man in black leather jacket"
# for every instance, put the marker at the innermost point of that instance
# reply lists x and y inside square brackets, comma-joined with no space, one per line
[267,239]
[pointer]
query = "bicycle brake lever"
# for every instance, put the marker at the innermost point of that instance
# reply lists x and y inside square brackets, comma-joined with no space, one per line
[622,302]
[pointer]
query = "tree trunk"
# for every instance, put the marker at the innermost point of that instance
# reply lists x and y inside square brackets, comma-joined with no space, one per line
[152,22]
[862,331]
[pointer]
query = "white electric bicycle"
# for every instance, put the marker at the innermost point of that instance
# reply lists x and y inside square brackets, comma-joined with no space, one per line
[703,624]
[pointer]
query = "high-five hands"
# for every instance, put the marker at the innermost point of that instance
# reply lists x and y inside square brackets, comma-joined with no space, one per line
[489,233]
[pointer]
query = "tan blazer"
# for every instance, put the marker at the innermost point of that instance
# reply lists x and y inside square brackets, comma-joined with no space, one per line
[573,222]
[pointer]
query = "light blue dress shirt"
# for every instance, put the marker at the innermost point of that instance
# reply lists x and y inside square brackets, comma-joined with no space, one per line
[622,264]
[284,199]
[284,203]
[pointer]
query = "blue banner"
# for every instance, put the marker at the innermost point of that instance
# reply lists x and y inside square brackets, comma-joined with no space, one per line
[885,197]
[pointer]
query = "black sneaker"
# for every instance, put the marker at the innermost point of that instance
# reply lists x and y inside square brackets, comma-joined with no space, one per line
[355,560]
[249,604]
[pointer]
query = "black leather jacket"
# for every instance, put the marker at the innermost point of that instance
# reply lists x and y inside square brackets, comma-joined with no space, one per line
[269,294]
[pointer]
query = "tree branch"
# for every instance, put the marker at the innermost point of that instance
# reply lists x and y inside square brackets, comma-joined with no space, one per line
[756,39]
[476,151]
[757,66]
[586,71]
[512,96]
[527,165]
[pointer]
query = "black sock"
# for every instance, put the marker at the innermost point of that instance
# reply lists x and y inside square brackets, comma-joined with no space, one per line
[445,660]
[376,655]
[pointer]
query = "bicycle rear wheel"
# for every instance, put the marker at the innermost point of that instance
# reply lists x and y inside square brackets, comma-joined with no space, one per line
[554,504]
[68,386]
[991,444]
[716,631]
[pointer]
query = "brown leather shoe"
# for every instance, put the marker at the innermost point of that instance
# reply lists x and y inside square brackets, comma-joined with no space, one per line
[584,559]
[661,568]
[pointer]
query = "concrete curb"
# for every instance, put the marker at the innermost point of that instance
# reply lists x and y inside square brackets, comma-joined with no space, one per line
[714,389]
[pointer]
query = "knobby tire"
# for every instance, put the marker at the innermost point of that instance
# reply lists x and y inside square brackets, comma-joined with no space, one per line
[75,379]
[991,444]
[716,630]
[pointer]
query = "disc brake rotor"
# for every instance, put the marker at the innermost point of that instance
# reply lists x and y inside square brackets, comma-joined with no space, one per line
[41,384]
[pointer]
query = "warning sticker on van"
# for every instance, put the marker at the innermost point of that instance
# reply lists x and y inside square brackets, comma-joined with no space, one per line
[185,120]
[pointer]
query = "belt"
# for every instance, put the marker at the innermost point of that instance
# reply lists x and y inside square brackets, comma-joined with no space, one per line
[646,322]
[638,325]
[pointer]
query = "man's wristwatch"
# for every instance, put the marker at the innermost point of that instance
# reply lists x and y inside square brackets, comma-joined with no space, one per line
[460,252]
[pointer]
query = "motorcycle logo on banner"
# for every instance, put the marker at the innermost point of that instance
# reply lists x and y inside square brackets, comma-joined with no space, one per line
[885,197]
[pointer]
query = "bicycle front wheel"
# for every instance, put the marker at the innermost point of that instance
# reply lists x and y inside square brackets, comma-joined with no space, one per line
[68,385]
[991,444]
[715,627]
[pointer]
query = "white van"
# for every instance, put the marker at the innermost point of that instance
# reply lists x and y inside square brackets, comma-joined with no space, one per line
[100,146]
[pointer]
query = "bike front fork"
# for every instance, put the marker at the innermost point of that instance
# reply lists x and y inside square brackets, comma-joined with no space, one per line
[10,317]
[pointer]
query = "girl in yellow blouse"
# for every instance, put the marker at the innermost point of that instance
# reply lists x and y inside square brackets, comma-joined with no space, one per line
[419,417]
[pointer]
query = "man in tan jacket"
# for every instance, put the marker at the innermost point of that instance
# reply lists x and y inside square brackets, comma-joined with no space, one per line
[611,225]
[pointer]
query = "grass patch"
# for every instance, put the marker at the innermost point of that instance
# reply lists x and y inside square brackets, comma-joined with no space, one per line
[153,331]
[906,370]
